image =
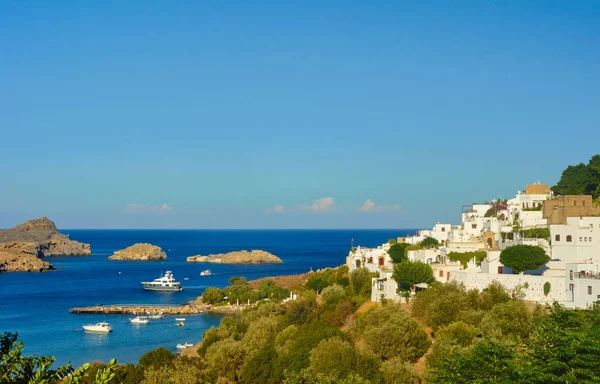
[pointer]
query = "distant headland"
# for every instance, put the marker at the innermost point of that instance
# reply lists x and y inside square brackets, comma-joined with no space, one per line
[22,247]
[140,252]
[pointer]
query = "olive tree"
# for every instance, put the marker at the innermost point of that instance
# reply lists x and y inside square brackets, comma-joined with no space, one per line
[409,273]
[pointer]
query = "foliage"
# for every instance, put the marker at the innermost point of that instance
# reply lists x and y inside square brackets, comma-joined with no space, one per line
[538,207]
[522,257]
[260,367]
[390,332]
[547,287]
[268,289]
[397,252]
[158,357]
[580,179]
[333,357]
[225,358]
[360,282]
[465,257]
[430,242]
[317,281]
[391,241]
[396,370]
[504,321]
[537,233]
[333,295]
[212,295]
[410,273]
[184,370]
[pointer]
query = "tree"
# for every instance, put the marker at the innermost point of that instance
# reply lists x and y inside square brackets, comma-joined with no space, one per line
[333,357]
[237,280]
[332,295]
[360,281]
[397,252]
[396,370]
[430,242]
[158,357]
[212,295]
[409,273]
[225,358]
[391,332]
[580,179]
[465,257]
[524,257]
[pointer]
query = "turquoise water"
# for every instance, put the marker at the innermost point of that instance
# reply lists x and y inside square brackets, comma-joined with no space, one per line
[36,305]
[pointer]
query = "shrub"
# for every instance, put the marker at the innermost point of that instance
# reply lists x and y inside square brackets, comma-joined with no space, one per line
[212,295]
[396,370]
[510,320]
[524,257]
[158,357]
[390,332]
[225,358]
[538,233]
[333,294]
[333,357]
[547,287]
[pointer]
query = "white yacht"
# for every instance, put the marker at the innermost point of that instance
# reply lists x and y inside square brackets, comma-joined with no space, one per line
[99,328]
[181,346]
[206,272]
[188,345]
[140,320]
[156,316]
[165,283]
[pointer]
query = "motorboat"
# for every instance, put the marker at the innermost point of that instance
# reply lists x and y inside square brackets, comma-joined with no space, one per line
[206,272]
[180,319]
[99,328]
[189,345]
[164,283]
[181,346]
[140,320]
[156,316]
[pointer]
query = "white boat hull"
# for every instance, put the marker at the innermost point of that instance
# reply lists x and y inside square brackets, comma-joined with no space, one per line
[151,287]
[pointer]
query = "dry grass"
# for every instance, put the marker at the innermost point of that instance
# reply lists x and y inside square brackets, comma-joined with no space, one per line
[288,281]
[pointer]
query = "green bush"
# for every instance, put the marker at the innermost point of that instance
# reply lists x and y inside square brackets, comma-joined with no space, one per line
[409,273]
[524,257]
[430,242]
[547,287]
[537,233]
[333,294]
[212,295]
[465,257]
[397,252]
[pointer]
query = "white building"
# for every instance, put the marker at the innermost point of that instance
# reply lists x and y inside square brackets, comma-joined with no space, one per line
[374,259]
[583,281]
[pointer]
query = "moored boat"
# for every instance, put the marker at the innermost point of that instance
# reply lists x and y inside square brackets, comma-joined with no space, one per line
[139,320]
[164,283]
[206,272]
[156,316]
[181,346]
[98,328]
[180,319]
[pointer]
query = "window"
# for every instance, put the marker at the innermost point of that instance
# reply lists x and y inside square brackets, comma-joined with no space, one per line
[574,203]
[571,287]
[474,226]
[557,237]
[370,260]
[571,275]
[569,239]
[441,273]
[443,229]
[380,284]
[580,238]
[589,289]
[585,239]
[381,261]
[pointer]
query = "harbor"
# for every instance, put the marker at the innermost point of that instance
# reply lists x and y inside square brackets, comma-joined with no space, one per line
[152,309]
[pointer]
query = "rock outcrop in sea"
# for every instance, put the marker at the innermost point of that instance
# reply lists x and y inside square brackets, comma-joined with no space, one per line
[140,252]
[22,246]
[238,257]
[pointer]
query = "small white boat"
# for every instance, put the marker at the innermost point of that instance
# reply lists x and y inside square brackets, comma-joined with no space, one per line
[206,272]
[188,345]
[140,320]
[156,316]
[181,346]
[99,328]
[180,319]
[186,278]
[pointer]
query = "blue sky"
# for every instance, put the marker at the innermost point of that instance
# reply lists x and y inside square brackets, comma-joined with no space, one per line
[244,114]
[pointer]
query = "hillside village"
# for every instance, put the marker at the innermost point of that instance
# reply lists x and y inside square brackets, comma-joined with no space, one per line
[566,227]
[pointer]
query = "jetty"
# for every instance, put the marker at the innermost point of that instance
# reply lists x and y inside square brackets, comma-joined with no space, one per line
[165,309]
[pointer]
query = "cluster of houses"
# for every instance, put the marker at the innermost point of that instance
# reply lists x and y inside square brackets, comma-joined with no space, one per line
[572,277]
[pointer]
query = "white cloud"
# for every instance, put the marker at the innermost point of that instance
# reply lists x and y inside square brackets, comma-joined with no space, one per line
[277,208]
[322,205]
[142,208]
[369,206]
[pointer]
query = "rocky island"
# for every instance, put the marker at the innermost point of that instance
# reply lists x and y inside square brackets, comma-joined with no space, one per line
[238,257]
[22,247]
[140,252]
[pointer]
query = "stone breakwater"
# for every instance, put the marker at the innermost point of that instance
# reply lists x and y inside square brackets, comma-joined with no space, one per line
[185,309]
[238,257]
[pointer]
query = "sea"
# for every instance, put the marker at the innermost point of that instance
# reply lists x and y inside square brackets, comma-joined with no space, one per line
[36,305]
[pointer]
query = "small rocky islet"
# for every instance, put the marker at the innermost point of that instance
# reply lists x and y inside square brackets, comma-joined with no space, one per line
[23,247]
[140,252]
[238,257]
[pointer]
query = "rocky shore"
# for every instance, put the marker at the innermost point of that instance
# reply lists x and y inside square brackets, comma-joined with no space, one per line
[185,309]
[140,252]
[22,246]
[238,257]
